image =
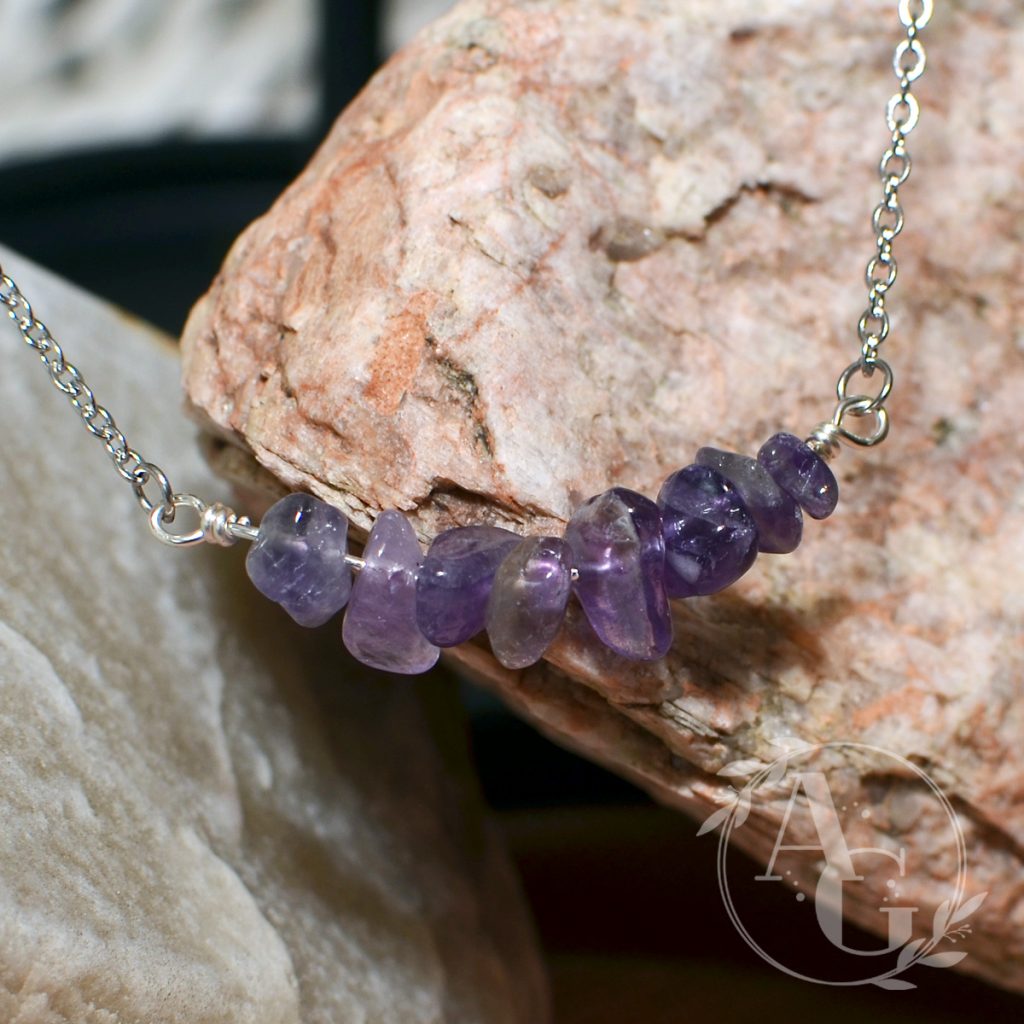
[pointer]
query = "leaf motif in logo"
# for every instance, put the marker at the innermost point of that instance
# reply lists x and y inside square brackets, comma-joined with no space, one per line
[777,773]
[741,768]
[792,744]
[954,956]
[715,819]
[895,984]
[968,908]
[908,952]
[941,920]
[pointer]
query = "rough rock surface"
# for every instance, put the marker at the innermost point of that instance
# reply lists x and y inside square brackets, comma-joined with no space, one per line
[560,245]
[205,814]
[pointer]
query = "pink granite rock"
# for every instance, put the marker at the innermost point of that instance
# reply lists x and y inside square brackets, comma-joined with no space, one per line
[560,246]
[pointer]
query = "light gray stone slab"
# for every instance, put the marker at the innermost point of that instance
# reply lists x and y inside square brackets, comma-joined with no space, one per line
[206,814]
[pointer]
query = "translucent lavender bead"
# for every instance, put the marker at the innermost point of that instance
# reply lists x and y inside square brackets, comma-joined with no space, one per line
[802,473]
[380,621]
[455,581]
[710,537]
[298,560]
[619,553]
[528,599]
[779,521]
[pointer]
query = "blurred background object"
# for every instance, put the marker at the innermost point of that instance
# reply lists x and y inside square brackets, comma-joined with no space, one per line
[402,19]
[138,139]
[90,74]
[95,73]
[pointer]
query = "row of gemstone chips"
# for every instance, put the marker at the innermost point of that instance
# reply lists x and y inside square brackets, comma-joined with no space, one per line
[623,555]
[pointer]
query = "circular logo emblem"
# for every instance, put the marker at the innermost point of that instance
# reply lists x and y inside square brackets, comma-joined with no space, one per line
[836,848]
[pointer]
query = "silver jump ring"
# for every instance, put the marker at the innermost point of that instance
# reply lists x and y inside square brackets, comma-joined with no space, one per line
[866,370]
[146,472]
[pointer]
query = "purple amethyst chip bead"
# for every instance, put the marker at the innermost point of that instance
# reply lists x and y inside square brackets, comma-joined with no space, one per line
[380,622]
[779,521]
[710,537]
[455,582]
[619,555]
[528,599]
[802,473]
[298,559]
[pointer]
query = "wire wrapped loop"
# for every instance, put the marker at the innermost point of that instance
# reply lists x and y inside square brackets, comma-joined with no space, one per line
[213,524]
[860,407]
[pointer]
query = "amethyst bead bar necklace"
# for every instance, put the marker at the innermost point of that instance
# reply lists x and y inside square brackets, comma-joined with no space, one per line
[623,556]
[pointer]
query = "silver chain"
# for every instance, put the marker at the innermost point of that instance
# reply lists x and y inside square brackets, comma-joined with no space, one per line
[215,524]
[67,379]
[901,116]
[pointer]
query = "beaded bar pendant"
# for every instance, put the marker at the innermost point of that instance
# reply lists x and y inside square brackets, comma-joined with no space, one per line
[623,556]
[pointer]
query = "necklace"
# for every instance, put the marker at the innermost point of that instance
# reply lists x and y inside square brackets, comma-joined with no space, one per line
[623,555]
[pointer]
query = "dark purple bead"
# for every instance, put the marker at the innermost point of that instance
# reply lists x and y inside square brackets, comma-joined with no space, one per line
[298,560]
[380,621]
[779,521]
[455,581]
[710,537]
[619,553]
[802,473]
[528,599]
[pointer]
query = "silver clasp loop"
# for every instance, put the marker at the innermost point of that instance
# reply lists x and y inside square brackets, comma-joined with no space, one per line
[861,406]
[825,438]
[215,524]
[163,514]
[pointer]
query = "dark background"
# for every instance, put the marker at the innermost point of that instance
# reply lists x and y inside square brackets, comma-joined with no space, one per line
[148,226]
[623,892]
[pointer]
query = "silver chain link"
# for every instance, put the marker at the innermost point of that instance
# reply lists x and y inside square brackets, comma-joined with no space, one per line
[902,113]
